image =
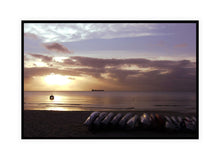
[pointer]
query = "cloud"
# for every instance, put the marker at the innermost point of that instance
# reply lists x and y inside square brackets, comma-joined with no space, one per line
[42,71]
[166,75]
[26,58]
[139,62]
[182,45]
[176,80]
[71,78]
[42,57]
[56,47]
[102,63]
[69,32]
[30,35]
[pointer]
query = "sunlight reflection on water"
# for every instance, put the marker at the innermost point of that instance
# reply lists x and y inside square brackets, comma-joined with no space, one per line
[90,101]
[56,109]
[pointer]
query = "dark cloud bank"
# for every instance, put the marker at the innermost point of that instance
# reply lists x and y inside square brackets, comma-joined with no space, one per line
[166,75]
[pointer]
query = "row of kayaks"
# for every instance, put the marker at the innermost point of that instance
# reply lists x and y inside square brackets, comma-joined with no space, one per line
[100,120]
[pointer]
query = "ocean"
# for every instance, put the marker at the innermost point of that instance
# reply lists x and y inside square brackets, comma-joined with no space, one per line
[180,102]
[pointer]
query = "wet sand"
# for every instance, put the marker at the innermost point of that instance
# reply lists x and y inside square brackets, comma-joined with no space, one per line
[69,125]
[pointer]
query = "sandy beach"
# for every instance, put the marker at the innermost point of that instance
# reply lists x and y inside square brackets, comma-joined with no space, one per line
[69,125]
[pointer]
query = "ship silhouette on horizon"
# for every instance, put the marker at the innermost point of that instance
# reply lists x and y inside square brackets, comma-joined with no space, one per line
[93,90]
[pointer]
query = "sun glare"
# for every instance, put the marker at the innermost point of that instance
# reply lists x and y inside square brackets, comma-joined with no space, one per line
[55,79]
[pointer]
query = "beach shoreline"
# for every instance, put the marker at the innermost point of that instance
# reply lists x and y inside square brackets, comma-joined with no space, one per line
[38,124]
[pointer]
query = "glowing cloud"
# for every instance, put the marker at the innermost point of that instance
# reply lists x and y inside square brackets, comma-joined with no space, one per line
[55,79]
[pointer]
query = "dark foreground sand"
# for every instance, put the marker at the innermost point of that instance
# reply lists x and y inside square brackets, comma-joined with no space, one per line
[69,124]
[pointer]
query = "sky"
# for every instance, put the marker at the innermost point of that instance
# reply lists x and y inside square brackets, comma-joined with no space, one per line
[110,56]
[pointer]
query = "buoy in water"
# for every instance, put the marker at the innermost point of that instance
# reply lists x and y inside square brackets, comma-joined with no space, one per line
[51,97]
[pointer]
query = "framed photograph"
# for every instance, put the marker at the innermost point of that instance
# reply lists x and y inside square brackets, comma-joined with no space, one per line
[126,79]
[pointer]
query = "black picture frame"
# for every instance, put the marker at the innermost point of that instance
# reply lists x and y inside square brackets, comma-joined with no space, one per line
[195,136]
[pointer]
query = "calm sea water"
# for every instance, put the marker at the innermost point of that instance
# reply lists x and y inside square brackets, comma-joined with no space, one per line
[182,102]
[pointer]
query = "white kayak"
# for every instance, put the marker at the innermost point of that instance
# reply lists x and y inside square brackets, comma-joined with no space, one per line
[188,119]
[179,119]
[190,124]
[91,118]
[181,122]
[98,120]
[194,118]
[116,119]
[175,122]
[107,119]
[145,120]
[167,118]
[124,119]
[170,125]
[132,122]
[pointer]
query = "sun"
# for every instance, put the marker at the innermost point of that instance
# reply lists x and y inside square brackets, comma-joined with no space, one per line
[56,79]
